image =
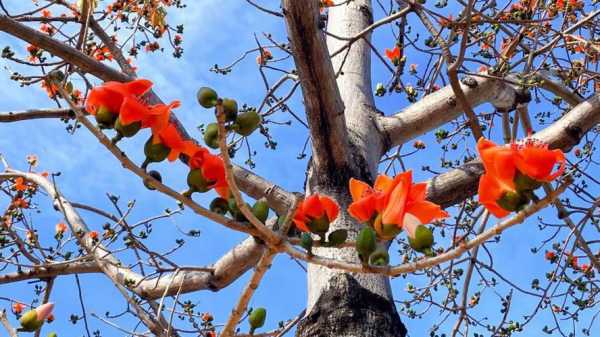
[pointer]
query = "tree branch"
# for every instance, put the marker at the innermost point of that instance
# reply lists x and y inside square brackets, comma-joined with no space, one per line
[322,100]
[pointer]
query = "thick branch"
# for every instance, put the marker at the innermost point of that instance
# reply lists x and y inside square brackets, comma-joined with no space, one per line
[441,107]
[454,186]
[322,100]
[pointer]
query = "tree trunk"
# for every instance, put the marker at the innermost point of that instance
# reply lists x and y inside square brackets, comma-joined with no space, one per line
[345,304]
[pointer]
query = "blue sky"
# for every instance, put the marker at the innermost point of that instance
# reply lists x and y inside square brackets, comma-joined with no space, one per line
[215,32]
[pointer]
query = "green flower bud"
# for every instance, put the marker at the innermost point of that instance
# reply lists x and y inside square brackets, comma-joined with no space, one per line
[261,210]
[219,205]
[257,319]
[211,135]
[236,213]
[306,242]
[148,183]
[207,97]
[197,182]
[29,321]
[366,243]
[230,108]
[247,122]
[337,237]
[380,257]
[155,153]
[423,239]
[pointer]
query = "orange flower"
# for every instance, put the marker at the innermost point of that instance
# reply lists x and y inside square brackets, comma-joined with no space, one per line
[212,168]
[155,117]
[393,204]
[406,208]
[18,307]
[46,13]
[393,55]
[550,256]
[505,165]
[264,56]
[211,334]
[20,184]
[112,94]
[315,213]
[325,3]
[93,235]
[61,228]
[20,203]
[171,138]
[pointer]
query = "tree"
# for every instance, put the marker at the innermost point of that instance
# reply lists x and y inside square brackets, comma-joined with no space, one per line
[533,62]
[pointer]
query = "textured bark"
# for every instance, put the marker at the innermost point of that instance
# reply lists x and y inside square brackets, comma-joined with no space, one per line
[339,303]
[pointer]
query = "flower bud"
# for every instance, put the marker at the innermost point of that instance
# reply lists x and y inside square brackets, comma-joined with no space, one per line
[211,135]
[207,97]
[366,243]
[257,319]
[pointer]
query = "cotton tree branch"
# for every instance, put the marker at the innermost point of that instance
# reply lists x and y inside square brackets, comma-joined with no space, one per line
[322,100]
[18,116]
[441,107]
[11,331]
[252,184]
[456,185]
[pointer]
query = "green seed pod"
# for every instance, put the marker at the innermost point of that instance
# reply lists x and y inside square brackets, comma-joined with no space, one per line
[29,321]
[211,135]
[128,130]
[380,257]
[320,225]
[306,241]
[105,118]
[219,205]
[155,152]
[337,237]
[207,97]
[148,183]
[525,183]
[247,122]
[513,201]
[52,334]
[366,242]
[230,108]
[257,319]
[423,239]
[197,182]
[260,209]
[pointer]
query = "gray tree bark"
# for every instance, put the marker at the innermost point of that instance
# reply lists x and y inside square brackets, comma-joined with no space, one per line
[340,303]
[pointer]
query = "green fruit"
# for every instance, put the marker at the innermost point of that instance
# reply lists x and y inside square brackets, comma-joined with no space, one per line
[155,152]
[247,122]
[261,210]
[197,182]
[525,183]
[128,130]
[105,118]
[207,97]
[423,239]
[219,205]
[306,242]
[211,135]
[513,201]
[320,225]
[148,183]
[366,243]
[230,108]
[257,319]
[380,257]
[337,237]
[29,321]
[52,334]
